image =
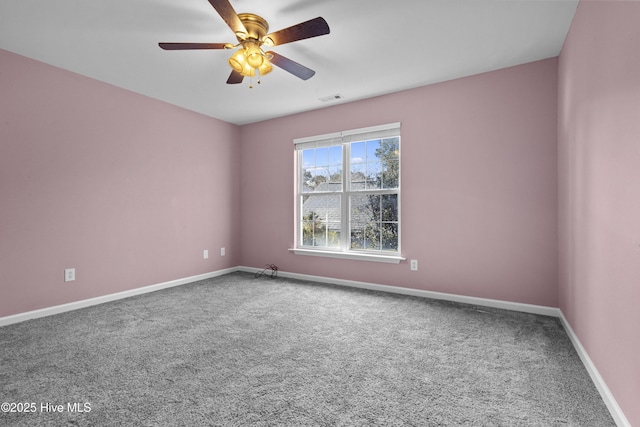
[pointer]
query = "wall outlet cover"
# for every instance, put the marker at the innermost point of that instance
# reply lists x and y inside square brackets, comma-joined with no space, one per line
[69,274]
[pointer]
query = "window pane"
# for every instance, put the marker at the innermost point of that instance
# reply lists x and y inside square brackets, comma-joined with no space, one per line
[389,236]
[308,158]
[358,210]
[389,208]
[313,178]
[372,236]
[307,233]
[320,222]
[391,174]
[335,155]
[322,156]
[375,165]
[387,152]
[335,177]
[357,236]
[365,221]
[333,235]
[374,222]
[374,175]
[372,150]
[358,153]
[365,208]
[389,148]
[358,176]
[322,169]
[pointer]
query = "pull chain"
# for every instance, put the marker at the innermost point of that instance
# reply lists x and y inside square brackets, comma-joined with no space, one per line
[257,74]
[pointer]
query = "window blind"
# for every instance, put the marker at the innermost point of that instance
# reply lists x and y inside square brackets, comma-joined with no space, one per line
[362,134]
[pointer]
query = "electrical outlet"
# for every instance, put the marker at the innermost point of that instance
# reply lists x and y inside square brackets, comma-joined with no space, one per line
[205,254]
[223,252]
[414,265]
[69,274]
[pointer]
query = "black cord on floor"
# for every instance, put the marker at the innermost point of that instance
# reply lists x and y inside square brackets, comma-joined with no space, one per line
[272,267]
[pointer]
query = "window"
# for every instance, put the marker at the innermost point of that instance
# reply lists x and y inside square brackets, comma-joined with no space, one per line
[348,194]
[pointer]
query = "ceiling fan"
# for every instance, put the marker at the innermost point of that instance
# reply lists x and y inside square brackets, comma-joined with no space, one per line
[252,32]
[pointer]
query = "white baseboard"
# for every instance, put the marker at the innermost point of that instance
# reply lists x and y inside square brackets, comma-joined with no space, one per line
[485,302]
[48,311]
[605,393]
[615,410]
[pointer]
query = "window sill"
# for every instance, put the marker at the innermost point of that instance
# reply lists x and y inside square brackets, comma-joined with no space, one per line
[391,259]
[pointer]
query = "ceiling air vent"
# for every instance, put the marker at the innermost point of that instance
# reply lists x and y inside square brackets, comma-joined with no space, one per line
[331,98]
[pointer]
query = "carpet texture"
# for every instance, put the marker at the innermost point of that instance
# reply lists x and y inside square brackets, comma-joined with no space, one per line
[236,351]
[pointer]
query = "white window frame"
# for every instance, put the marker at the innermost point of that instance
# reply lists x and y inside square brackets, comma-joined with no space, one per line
[344,138]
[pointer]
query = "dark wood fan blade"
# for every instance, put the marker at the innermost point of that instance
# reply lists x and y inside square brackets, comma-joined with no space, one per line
[184,46]
[234,78]
[226,11]
[293,67]
[304,30]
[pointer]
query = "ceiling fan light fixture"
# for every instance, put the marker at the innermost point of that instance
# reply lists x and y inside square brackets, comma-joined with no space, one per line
[238,60]
[263,69]
[255,55]
[248,59]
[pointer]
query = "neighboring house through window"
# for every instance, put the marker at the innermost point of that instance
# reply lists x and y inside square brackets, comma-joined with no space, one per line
[348,194]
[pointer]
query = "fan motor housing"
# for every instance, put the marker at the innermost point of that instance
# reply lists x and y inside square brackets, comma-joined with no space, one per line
[257,27]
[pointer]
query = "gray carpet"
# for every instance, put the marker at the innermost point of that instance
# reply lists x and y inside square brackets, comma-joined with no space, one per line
[236,351]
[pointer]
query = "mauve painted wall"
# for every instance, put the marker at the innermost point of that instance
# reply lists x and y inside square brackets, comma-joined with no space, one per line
[126,189]
[599,176]
[479,186]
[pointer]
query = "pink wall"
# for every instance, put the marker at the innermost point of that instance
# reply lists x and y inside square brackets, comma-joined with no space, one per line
[126,189]
[479,181]
[130,190]
[599,176]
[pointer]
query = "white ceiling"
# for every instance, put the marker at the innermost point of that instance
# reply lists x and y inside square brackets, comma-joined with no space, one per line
[375,46]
